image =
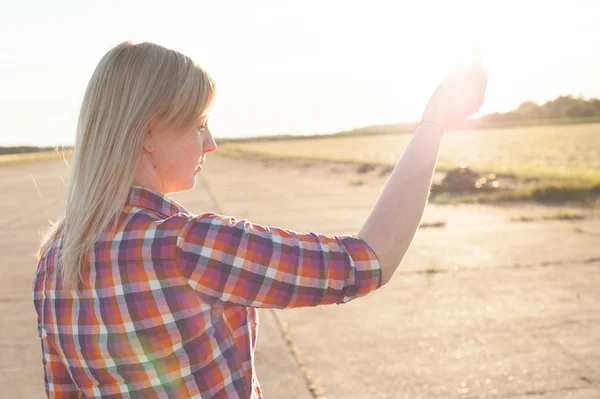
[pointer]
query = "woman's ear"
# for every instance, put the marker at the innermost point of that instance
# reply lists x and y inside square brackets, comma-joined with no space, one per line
[150,135]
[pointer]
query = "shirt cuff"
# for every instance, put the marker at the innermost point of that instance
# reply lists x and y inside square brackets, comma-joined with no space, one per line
[365,271]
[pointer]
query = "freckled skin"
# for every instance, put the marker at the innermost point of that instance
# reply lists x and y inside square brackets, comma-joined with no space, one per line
[169,158]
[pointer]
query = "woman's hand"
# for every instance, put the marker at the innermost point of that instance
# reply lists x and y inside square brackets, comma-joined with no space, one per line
[461,94]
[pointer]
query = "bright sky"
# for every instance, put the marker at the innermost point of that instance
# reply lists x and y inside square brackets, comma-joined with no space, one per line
[310,66]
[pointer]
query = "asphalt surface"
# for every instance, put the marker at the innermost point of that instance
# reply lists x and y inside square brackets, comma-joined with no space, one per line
[484,307]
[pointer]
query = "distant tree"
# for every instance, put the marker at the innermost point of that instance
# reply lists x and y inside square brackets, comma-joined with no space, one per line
[562,106]
[555,109]
[513,116]
[530,110]
[580,111]
[589,111]
[23,150]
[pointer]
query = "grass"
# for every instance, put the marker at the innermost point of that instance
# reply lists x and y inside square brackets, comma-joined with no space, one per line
[357,182]
[554,185]
[12,159]
[433,268]
[551,164]
[562,148]
[523,218]
[564,214]
[563,191]
[481,198]
[439,223]
[546,192]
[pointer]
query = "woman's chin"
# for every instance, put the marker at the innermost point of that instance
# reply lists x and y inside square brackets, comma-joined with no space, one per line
[191,183]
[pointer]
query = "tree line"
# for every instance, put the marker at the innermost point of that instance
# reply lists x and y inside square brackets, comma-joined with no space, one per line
[24,150]
[561,107]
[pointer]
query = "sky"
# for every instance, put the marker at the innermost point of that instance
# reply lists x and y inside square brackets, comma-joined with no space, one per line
[296,67]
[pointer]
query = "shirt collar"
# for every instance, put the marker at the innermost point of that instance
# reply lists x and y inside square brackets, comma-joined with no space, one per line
[153,200]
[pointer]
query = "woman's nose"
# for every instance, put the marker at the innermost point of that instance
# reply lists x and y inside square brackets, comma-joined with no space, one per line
[210,145]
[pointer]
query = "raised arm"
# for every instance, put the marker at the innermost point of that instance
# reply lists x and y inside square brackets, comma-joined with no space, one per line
[394,220]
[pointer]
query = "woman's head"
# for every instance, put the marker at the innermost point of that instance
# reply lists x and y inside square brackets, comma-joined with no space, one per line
[142,122]
[150,102]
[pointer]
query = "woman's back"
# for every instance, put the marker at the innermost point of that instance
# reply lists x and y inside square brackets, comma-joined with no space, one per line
[171,305]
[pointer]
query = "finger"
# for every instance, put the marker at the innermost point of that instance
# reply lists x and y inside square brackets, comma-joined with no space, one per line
[483,76]
[477,66]
[476,56]
[483,82]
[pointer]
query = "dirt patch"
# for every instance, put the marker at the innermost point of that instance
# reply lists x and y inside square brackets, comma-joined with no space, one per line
[366,167]
[466,180]
[459,185]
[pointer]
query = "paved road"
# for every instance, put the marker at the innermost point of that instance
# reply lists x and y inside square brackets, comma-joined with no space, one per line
[507,310]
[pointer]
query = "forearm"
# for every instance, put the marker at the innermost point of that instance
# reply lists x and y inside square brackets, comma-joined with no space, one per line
[395,218]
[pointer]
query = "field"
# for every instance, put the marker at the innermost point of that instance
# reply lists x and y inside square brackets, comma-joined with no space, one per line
[563,159]
[542,149]
[8,159]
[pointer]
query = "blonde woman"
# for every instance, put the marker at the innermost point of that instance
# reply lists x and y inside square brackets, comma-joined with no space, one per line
[139,298]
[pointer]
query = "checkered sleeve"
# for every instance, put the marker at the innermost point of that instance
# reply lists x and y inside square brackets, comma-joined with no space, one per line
[238,262]
[57,380]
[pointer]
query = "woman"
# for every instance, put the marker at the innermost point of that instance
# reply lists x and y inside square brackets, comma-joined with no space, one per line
[137,297]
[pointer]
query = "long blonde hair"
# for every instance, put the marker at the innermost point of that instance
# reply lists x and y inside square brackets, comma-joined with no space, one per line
[132,83]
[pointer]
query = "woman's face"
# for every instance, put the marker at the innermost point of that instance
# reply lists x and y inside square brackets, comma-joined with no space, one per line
[170,160]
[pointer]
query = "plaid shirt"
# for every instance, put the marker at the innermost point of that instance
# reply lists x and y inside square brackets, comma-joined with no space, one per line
[169,303]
